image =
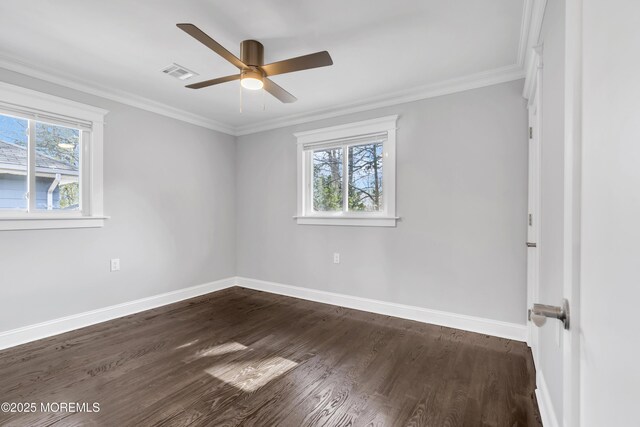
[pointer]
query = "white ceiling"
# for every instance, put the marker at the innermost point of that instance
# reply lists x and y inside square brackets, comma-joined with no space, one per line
[381,49]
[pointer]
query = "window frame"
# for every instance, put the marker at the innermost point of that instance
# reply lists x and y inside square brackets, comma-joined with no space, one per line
[35,106]
[323,138]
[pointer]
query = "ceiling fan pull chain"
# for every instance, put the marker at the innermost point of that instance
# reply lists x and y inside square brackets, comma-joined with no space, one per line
[240,86]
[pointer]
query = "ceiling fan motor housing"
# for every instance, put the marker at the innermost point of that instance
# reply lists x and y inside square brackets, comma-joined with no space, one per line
[252,53]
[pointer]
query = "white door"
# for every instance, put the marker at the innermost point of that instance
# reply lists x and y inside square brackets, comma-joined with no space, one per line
[555,116]
[571,399]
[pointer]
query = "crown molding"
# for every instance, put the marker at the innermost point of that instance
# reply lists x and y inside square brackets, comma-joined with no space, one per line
[531,81]
[532,15]
[446,87]
[473,81]
[530,26]
[31,70]
[533,40]
[525,26]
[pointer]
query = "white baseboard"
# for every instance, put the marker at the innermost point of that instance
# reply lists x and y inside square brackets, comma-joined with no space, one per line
[545,405]
[49,328]
[497,328]
[38,331]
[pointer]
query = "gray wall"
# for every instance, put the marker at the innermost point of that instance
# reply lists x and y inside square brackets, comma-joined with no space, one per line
[461,193]
[169,189]
[552,196]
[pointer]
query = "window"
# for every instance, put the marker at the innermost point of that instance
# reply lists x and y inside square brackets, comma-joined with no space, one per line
[50,161]
[346,174]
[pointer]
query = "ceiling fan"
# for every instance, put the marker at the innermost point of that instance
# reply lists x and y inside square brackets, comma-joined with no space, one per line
[254,74]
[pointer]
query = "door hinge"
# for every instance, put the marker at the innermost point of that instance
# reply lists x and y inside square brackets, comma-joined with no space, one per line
[530,220]
[530,132]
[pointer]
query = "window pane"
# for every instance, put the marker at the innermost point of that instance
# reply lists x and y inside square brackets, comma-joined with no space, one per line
[365,177]
[57,167]
[327,180]
[13,163]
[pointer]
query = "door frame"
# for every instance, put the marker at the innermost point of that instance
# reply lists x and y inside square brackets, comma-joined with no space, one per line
[572,358]
[533,208]
[571,350]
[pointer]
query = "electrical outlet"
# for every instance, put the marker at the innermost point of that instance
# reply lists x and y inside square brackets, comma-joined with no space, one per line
[336,258]
[115,264]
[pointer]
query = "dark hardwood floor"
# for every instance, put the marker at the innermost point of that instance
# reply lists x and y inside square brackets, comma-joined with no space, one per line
[242,357]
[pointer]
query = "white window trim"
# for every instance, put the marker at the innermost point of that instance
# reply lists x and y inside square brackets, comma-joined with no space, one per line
[385,218]
[92,214]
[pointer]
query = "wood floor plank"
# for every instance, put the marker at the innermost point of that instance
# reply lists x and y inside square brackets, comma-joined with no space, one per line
[243,357]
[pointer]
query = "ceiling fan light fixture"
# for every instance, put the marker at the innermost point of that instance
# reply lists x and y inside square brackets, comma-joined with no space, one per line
[252,80]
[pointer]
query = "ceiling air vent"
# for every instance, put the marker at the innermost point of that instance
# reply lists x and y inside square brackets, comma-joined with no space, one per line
[179,72]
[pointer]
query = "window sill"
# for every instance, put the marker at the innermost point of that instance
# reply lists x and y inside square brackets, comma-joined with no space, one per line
[371,221]
[45,223]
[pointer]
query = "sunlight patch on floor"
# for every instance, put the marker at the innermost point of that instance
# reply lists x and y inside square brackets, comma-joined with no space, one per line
[216,350]
[252,374]
[190,343]
[220,349]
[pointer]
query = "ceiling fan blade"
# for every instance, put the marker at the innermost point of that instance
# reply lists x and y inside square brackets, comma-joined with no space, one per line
[200,35]
[278,92]
[314,60]
[212,82]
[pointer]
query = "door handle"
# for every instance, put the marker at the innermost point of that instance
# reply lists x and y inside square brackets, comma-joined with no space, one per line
[531,245]
[539,313]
